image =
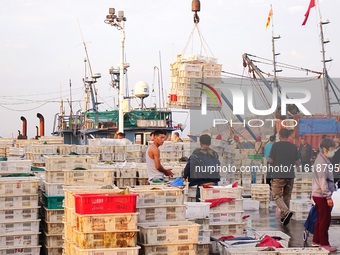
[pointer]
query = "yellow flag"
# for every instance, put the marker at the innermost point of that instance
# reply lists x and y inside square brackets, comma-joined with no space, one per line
[270,15]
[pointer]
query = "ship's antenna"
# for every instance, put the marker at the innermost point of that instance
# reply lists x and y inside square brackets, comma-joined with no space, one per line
[161,78]
[85,47]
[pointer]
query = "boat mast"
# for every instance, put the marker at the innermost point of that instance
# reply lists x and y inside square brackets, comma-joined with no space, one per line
[276,83]
[325,73]
[118,21]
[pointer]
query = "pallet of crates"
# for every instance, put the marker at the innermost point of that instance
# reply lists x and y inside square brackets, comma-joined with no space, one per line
[198,212]
[19,221]
[104,223]
[300,208]
[261,193]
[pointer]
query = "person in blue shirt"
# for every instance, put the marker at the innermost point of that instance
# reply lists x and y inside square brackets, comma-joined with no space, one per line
[266,151]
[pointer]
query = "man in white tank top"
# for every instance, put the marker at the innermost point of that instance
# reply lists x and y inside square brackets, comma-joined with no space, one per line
[153,162]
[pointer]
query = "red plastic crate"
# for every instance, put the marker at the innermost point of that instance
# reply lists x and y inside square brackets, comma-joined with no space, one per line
[105,203]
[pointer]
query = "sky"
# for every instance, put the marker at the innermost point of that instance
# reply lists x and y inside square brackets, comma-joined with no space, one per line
[41,47]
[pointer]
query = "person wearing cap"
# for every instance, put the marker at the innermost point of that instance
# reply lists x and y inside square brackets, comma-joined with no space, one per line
[197,170]
[305,154]
[259,145]
[236,142]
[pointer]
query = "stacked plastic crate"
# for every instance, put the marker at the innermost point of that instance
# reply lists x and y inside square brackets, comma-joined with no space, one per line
[198,212]
[19,223]
[301,195]
[103,222]
[261,193]
[187,75]
[223,222]
[15,167]
[56,175]
[37,153]
[161,221]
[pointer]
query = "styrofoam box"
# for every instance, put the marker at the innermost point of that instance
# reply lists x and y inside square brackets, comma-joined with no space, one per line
[233,205]
[23,251]
[300,205]
[16,240]
[19,186]
[219,229]
[161,213]
[113,251]
[226,217]
[302,251]
[53,189]
[19,214]
[152,196]
[220,192]
[169,249]
[196,210]
[56,176]
[88,177]
[19,201]
[53,240]
[23,226]
[157,233]
[53,215]
[298,216]
[251,205]
[106,222]
[284,237]
[249,251]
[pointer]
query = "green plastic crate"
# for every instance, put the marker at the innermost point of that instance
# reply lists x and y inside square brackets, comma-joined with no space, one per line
[255,156]
[53,202]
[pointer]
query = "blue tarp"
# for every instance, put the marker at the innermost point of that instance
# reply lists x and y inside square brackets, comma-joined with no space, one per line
[317,126]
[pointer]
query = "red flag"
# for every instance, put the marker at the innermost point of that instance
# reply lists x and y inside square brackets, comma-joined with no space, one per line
[270,14]
[311,5]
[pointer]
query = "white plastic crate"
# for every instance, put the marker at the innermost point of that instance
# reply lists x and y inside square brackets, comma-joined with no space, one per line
[70,217]
[169,249]
[197,210]
[19,240]
[54,176]
[233,205]
[249,251]
[168,232]
[301,195]
[203,248]
[161,213]
[226,217]
[19,201]
[219,229]
[55,240]
[300,205]
[19,214]
[52,250]
[126,172]
[18,185]
[220,192]
[203,223]
[155,196]
[52,228]
[125,182]
[204,236]
[284,237]
[106,222]
[53,215]
[67,162]
[53,189]
[302,251]
[23,226]
[15,166]
[90,177]
[113,251]
[22,251]
[300,216]
[251,205]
